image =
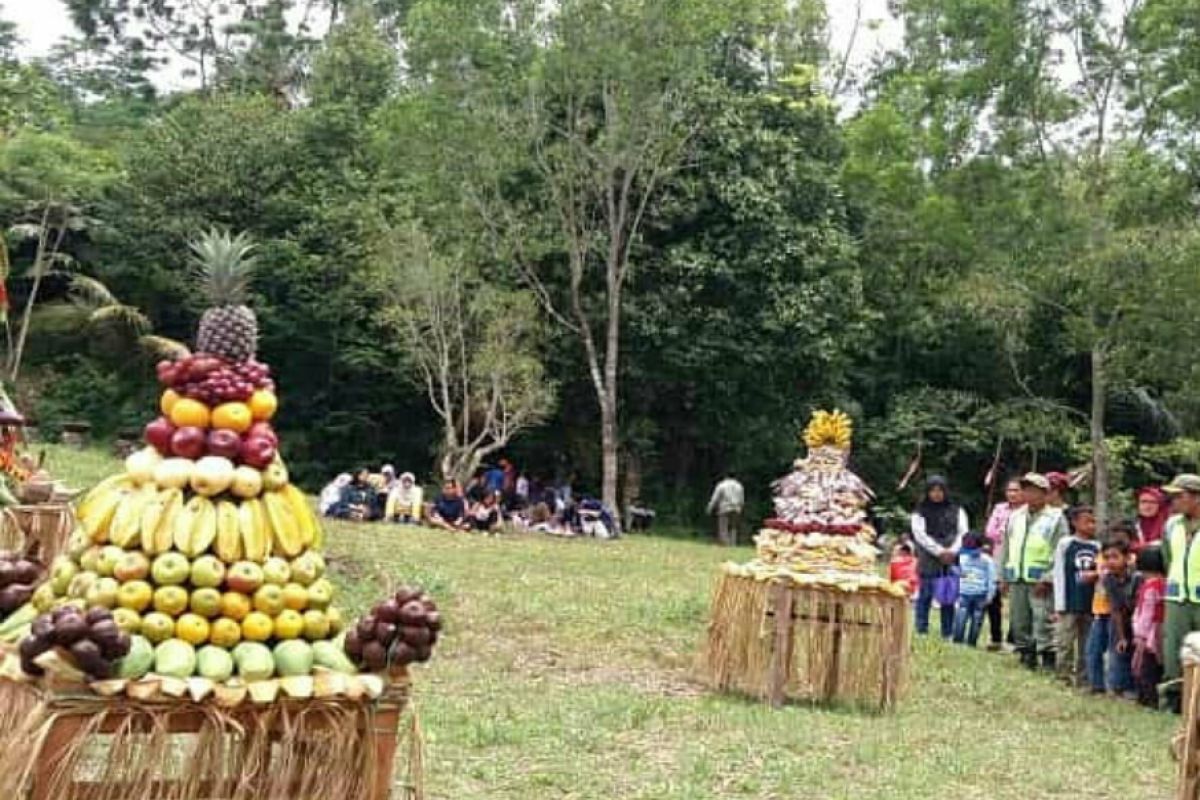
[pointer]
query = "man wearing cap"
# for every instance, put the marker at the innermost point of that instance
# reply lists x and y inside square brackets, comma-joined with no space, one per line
[1181,556]
[1030,540]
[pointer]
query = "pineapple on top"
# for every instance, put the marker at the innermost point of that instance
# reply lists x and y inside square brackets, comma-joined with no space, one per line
[222,265]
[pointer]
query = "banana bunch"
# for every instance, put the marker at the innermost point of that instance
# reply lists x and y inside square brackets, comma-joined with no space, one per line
[155,520]
[829,429]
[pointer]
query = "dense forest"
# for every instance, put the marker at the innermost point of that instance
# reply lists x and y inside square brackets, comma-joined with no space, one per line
[631,240]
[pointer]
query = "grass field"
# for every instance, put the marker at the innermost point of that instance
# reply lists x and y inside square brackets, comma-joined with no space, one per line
[566,673]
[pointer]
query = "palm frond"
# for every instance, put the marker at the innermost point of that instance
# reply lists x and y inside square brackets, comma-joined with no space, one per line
[162,347]
[91,293]
[126,316]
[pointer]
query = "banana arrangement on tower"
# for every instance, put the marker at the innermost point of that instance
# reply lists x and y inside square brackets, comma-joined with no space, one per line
[204,552]
[829,429]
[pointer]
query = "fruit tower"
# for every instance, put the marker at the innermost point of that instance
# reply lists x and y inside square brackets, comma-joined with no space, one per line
[820,534]
[202,552]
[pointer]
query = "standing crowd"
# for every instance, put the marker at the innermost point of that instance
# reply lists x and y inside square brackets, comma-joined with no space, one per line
[497,497]
[1106,611]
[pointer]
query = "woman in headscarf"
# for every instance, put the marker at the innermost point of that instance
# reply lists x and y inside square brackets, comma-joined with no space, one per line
[1152,513]
[406,501]
[938,526]
[331,495]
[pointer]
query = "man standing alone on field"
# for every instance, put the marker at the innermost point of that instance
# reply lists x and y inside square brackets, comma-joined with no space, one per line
[1029,544]
[728,501]
[1181,557]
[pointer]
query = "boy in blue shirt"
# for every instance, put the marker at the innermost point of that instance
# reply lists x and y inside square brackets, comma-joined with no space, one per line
[976,589]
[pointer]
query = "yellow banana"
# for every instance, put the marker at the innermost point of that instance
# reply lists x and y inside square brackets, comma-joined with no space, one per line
[229,534]
[126,523]
[256,536]
[100,491]
[306,522]
[204,532]
[101,512]
[285,529]
[158,521]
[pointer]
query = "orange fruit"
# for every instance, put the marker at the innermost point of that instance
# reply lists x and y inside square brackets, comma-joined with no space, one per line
[192,628]
[235,605]
[257,627]
[186,412]
[295,597]
[263,405]
[169,398]
[224,632]
[289,624]
[232,416]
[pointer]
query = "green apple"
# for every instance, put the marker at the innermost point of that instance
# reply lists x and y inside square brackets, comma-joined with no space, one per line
[134,566]
[320,594]
[206,602]
[110,555]
[62,572]
[78,543]
[170,569]
[269,599]
[244,577]
[277,571]
[275,476]
[81,583]
[207,571]
[128,620]
[247,482]
[307,567]
[157,627]
[135,596]
[90,560]
[103,593]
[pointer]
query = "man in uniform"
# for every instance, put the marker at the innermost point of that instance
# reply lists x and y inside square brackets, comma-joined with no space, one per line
[1030,540]
[1181,556]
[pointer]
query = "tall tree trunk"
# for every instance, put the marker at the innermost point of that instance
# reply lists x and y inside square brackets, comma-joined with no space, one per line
[1099,446]
[609,420]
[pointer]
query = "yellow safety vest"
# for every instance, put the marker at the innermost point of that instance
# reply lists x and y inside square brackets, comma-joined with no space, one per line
[1029,550]
[1183,577]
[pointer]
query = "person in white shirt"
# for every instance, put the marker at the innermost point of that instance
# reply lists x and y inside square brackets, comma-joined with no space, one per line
[728,501]
[938,527]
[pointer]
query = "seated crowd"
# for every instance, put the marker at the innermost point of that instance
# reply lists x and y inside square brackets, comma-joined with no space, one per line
[496,498]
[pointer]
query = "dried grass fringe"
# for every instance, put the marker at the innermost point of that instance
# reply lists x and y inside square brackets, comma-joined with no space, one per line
[314,750]
[847,647]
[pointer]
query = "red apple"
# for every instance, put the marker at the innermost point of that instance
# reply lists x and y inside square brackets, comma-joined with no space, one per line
[265,431]
[188,442]
[257,452]
[225,443]
[159,434]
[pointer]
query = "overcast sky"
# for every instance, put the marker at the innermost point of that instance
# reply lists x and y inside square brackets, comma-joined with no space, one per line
[41,23]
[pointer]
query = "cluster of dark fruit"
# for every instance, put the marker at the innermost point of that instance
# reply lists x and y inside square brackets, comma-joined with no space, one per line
[19,576]
[212,380]
[91,639]
[399,631]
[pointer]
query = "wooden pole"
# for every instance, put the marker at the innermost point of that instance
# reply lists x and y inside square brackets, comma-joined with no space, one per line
[781,652]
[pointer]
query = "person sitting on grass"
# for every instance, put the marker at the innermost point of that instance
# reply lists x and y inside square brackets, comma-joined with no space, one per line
[405,501]
[450,510]
[484,516]
[358,499]
[331,495]
[976,588]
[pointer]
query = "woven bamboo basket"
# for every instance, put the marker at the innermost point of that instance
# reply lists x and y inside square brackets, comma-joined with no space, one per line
[40,530]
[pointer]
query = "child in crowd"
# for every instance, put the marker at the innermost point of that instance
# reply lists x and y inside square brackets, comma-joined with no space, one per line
[1148,614]
[1074,559]
[1120,584]
[976,588]
[903,568]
